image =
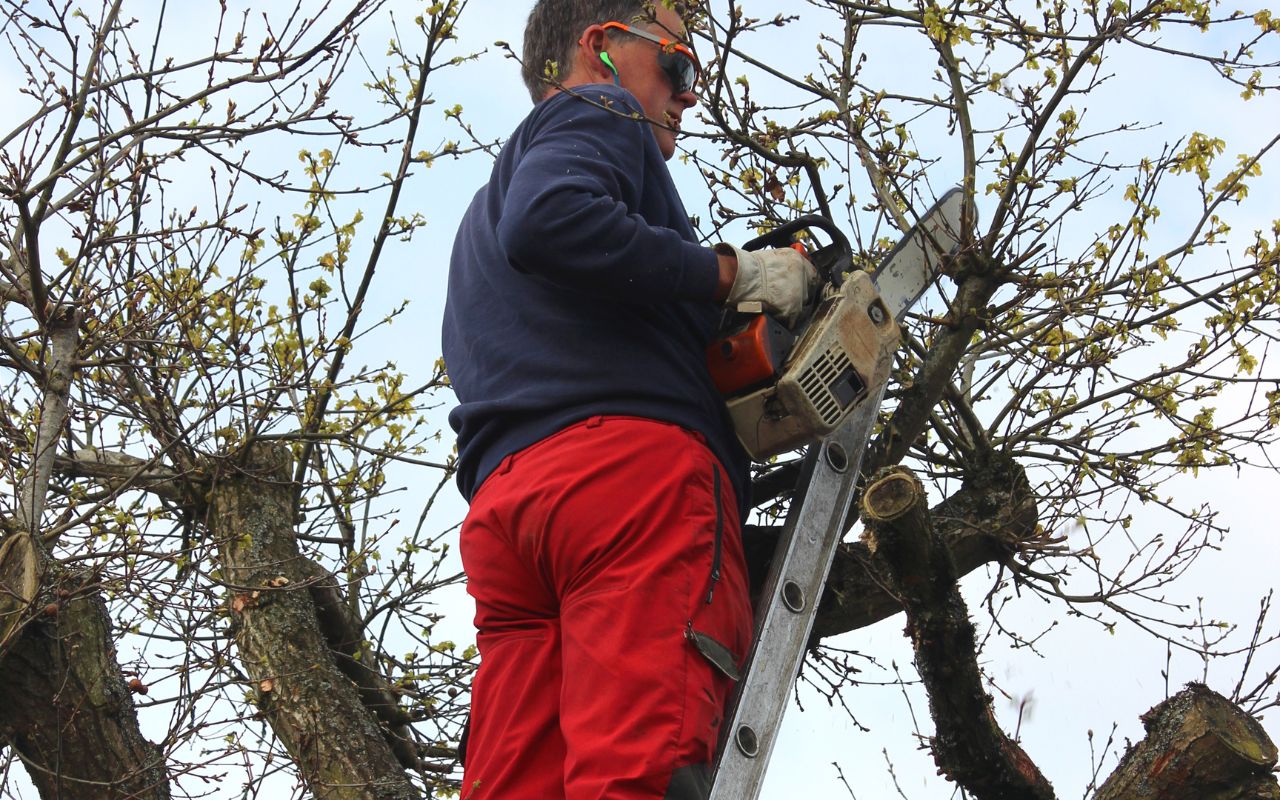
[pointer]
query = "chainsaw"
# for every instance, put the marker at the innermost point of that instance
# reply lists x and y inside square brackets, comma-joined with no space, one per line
[785,389]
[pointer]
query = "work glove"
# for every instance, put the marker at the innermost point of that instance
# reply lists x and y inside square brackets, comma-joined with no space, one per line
[781,281]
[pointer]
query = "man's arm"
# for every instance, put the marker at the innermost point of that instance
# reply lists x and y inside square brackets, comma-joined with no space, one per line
[565,215]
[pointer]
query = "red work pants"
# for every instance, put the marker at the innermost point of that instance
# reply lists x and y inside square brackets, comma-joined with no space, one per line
[592,557]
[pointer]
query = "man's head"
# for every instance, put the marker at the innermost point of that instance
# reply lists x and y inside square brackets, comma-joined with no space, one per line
[571,42]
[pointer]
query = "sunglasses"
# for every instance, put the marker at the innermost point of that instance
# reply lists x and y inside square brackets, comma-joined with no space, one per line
[676,60]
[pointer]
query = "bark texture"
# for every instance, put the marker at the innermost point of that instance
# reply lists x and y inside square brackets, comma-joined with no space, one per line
[339,748]
[67,711]
[1199,746]
[19,581]
[344,632]
[969,746]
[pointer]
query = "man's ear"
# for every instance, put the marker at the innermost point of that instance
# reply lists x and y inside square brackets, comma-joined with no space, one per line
[591,44]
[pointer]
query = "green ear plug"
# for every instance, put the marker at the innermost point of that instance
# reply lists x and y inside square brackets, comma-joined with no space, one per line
[609,63]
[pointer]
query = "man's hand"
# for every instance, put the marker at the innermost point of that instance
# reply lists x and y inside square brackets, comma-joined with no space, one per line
[781,280]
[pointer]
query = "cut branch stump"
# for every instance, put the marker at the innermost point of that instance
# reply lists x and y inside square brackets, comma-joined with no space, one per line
[992,515]
[1199,746]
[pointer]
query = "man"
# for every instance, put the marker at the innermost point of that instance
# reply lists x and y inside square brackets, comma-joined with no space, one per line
[606,484]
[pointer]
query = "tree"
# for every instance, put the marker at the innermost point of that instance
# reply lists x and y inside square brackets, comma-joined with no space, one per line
[189,540]
[203,566]
[1102,331]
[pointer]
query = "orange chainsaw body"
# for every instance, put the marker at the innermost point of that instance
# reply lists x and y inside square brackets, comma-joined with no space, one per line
[751,356]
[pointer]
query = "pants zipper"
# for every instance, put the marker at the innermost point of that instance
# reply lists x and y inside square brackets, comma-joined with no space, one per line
[715,557]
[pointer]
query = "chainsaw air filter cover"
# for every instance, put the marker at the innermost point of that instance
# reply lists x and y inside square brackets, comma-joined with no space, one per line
[847,347]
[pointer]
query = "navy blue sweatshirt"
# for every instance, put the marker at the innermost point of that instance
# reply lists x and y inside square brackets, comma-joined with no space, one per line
[576,288]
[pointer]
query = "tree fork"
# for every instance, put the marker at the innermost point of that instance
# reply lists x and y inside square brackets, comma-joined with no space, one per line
[969,746]
[339,748]
[66,710]
[992,515]
[344,632]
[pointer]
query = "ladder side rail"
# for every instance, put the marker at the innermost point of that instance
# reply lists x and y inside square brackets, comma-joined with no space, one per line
[788,605]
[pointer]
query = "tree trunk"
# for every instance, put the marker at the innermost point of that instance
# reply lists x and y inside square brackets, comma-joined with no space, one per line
[1198,747]
[66,709]
[344,632]
[336,743]
[969,746]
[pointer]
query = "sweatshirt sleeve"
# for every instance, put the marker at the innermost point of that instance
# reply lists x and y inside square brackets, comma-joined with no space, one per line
[570,212]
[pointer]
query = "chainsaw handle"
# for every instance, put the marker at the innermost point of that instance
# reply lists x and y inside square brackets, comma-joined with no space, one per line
[831,261]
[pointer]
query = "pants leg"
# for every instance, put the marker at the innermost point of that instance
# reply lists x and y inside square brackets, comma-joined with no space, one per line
[514,747]
[624,531]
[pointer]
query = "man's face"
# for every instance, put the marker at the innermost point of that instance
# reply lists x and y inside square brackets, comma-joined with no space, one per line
[640,74]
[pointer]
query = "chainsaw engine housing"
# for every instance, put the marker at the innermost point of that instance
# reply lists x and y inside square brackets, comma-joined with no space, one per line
[847,346]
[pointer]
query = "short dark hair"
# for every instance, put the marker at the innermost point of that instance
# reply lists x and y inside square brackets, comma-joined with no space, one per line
[551,35]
